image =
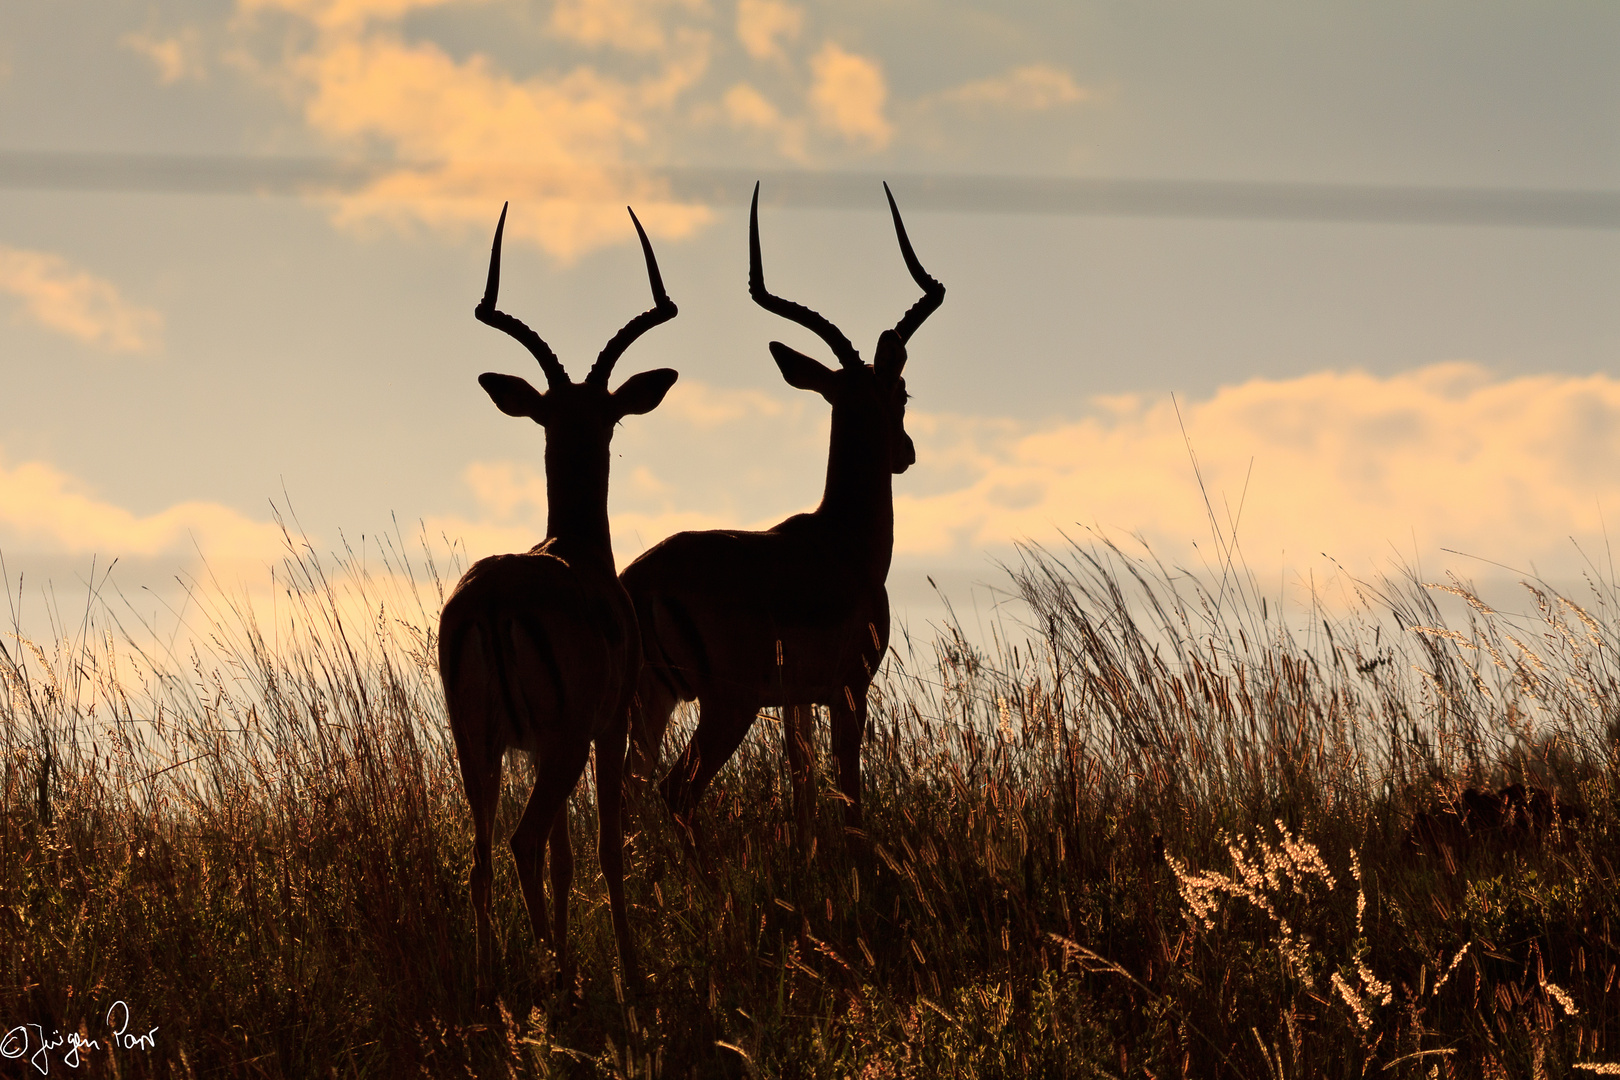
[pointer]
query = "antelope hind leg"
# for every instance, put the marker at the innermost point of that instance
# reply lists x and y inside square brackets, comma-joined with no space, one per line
[562,882]
[848,726]
[483,783]
[722,726]
[556,774]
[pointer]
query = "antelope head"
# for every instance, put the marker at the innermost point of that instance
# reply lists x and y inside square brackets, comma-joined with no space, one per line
[870,397]
[578,417]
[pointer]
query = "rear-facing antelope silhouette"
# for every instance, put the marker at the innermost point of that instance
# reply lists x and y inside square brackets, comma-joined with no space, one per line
[539,651]
[796,615]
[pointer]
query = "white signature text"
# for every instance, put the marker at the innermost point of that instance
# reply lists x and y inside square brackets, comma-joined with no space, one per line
[30,1041]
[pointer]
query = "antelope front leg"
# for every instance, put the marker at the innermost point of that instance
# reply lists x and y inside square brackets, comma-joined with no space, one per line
[610,777]
[797,732]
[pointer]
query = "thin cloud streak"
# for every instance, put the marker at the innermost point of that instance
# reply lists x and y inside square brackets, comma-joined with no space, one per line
[184,174]
[1030,88]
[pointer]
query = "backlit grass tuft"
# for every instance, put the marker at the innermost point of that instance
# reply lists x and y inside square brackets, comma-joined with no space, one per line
[1164,834]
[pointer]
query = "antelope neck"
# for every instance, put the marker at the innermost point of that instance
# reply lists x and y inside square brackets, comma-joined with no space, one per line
[576,502]
[859,495]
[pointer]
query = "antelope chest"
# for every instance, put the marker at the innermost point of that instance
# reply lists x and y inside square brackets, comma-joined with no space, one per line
[812,650]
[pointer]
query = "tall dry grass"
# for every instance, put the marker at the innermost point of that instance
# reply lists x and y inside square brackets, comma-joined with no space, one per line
[1162,833]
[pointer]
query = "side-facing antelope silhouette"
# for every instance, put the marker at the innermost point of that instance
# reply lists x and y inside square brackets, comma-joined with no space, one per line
[539,651]
[796,615]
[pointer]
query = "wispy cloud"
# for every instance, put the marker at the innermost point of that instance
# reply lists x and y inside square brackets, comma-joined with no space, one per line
[44,509]
[848,96]
[707,407]
[761,22]
[747,107]
[750,110]
[63,298]
[178,57]
[630,25]
[1031,88]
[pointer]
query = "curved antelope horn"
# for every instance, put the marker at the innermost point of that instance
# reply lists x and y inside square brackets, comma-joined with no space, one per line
[662,311]
[488,315]
[933,291]
[810,320]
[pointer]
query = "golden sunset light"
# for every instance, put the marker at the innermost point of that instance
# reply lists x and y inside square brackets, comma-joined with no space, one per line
[809,538]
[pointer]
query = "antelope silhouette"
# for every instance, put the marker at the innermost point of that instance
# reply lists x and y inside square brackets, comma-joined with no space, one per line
[796,615]
[539,651]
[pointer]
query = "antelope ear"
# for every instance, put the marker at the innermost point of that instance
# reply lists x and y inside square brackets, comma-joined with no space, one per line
[890,358]
[803,372]
[642,393]
[514,396]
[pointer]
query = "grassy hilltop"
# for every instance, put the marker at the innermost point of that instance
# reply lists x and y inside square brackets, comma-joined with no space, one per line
[1164,836]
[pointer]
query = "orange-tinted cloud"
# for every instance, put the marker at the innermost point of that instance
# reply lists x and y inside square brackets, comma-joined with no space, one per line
[706,407]
[569,145]
[848,96]
[748,109]
[1342,463]
[761,22]
[46,510]
[1031,88]
[631,25]
[70,301]
[178,57]
[472,136]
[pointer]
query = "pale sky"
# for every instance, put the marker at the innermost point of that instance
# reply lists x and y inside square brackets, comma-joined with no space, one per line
[174,360]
